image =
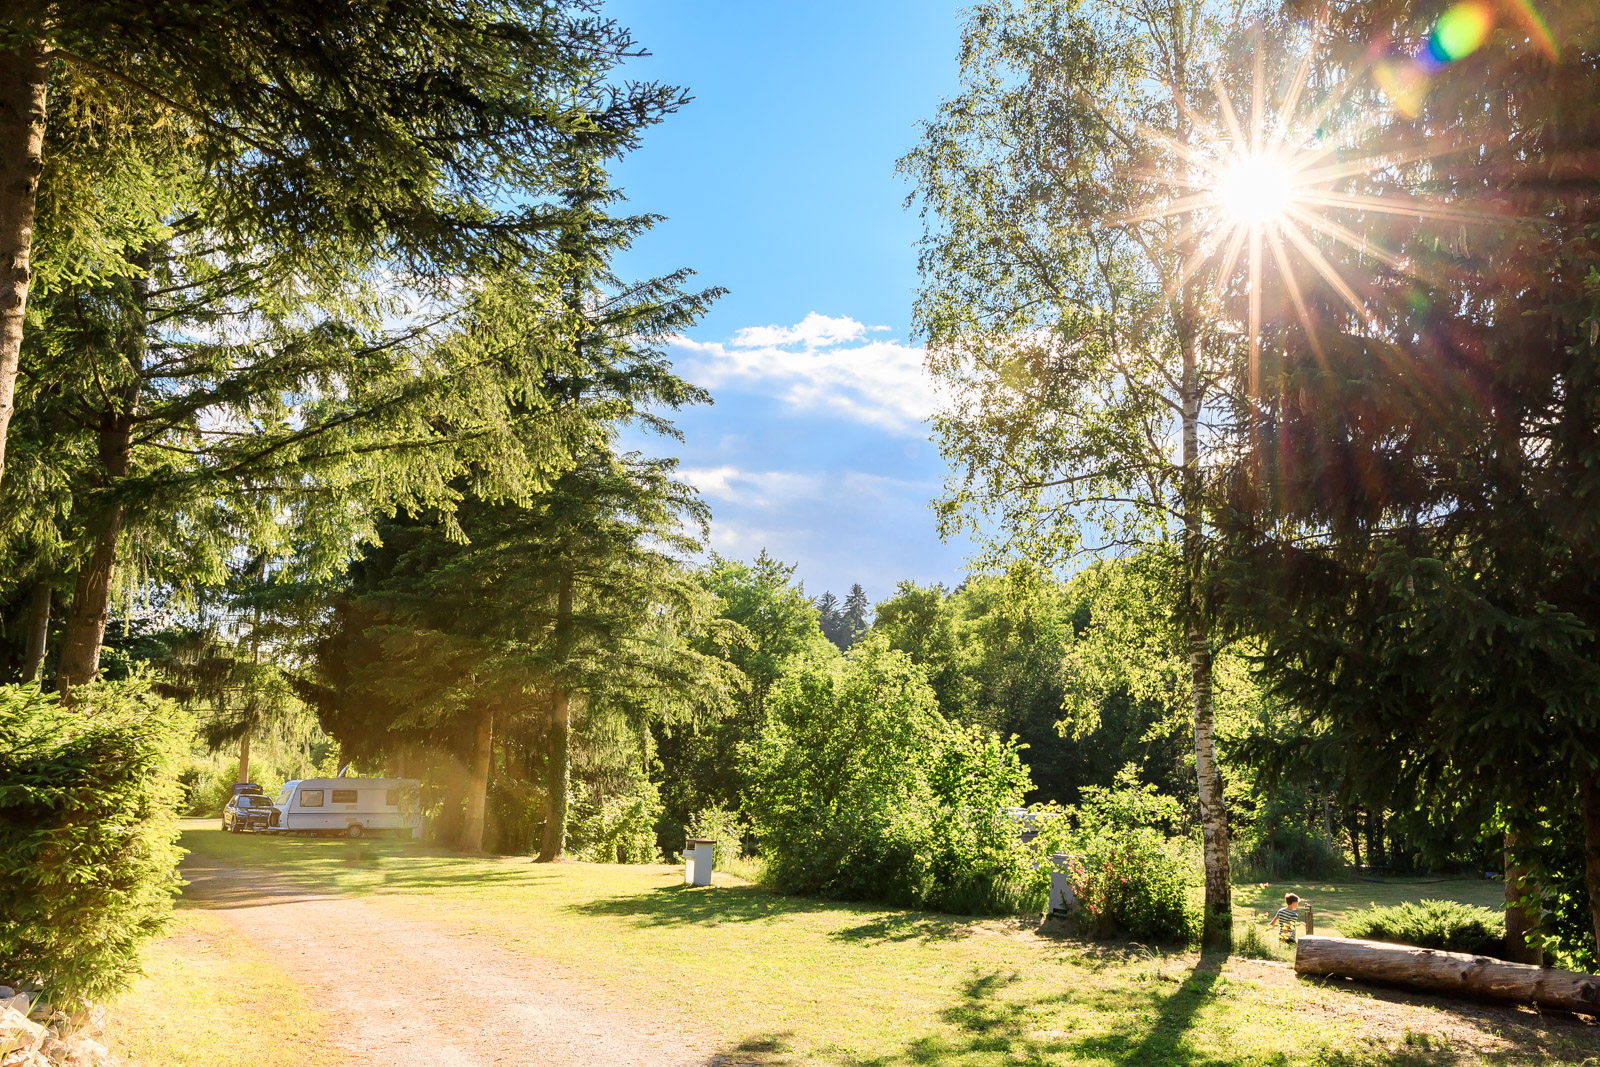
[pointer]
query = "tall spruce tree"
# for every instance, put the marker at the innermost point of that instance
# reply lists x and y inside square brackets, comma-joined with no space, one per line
[1412,536]
[830,618]
[569,592]
[853,620]
[192,359]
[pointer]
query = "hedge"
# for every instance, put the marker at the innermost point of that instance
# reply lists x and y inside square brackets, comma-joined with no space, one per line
[88,834]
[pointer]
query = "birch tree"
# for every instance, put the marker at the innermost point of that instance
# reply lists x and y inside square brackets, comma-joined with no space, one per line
[1086,369]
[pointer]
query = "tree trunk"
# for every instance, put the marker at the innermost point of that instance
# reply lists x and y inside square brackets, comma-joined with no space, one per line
[255,678]
[555,791]
[450,820]
[1452,972]
[24,78]
[1524,912]
[478,785]
[85,629]
[1375,853]
[1352,826]
[556,775]
[244,757]
[38,630]
[91,608]
[1213,810]
[1590,799]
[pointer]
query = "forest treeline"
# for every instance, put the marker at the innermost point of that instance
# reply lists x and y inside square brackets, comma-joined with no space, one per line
[316,368]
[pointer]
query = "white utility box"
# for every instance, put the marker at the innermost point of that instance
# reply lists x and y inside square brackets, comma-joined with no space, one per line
[1062,896]
[698,855]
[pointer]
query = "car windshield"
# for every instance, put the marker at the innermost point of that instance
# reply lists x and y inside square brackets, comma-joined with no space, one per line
[254,802]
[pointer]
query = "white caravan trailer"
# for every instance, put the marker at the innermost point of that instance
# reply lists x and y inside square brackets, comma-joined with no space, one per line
[350,806]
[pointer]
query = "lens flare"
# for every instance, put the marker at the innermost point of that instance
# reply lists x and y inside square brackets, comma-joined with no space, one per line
[1460,31]
[1265,192]
[1256,189]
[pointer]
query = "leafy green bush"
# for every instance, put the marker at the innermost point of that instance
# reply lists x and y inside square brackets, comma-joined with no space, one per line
[88,833]
[724,827]
[616,827]
[1128,874]
[1442,924]
[860,789]
[207,787]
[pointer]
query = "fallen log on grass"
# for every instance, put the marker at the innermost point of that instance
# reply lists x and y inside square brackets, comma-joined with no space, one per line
[1450,972]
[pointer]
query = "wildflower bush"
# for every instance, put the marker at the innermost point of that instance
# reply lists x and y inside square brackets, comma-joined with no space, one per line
[861,789]
[88,833]
[1128,873]
[1441,924]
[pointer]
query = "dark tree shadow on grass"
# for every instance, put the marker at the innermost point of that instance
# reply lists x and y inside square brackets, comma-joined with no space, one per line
[759,1050]
[681,905]
[907,926]
[677,905]
[1150,1029]
[251,872]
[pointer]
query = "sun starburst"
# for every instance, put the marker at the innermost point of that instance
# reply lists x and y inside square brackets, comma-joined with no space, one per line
[1274,192]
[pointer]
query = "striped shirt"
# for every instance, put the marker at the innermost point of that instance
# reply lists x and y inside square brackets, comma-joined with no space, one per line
[1286,920]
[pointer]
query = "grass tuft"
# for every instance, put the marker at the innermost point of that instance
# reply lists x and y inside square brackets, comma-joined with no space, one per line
[1251,943]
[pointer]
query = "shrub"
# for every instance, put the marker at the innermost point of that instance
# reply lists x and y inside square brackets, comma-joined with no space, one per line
[1128,875]
[724,827]
[88,832]
[860,789]
[207,787]
[1441,924]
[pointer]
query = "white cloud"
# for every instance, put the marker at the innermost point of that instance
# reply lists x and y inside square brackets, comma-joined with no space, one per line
[732,483]
[768,490]
[823,364]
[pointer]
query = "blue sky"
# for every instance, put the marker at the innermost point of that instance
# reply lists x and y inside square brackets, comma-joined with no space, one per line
[778,183]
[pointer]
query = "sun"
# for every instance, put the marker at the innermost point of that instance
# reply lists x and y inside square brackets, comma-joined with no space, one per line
[1270,189]
[1255,189]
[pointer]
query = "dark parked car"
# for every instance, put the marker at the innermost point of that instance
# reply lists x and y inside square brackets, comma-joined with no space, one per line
[247,811]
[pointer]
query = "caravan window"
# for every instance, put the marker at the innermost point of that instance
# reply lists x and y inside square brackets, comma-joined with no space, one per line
[344,796]
[283,796]
[391,798]
[311,798]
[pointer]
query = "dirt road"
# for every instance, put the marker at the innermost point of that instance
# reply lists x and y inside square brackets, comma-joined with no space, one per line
[409,993]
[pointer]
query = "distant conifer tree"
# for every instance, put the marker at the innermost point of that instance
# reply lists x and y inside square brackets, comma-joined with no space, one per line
[855,615]
[830,616]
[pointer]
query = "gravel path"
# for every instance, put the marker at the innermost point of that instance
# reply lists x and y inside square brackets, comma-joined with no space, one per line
[409,993]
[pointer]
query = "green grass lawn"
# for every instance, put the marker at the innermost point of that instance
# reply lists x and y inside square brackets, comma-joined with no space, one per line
[782,979]
[1333,901]
[209,998]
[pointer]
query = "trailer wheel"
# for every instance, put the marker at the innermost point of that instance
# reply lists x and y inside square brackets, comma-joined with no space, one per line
[354,830]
